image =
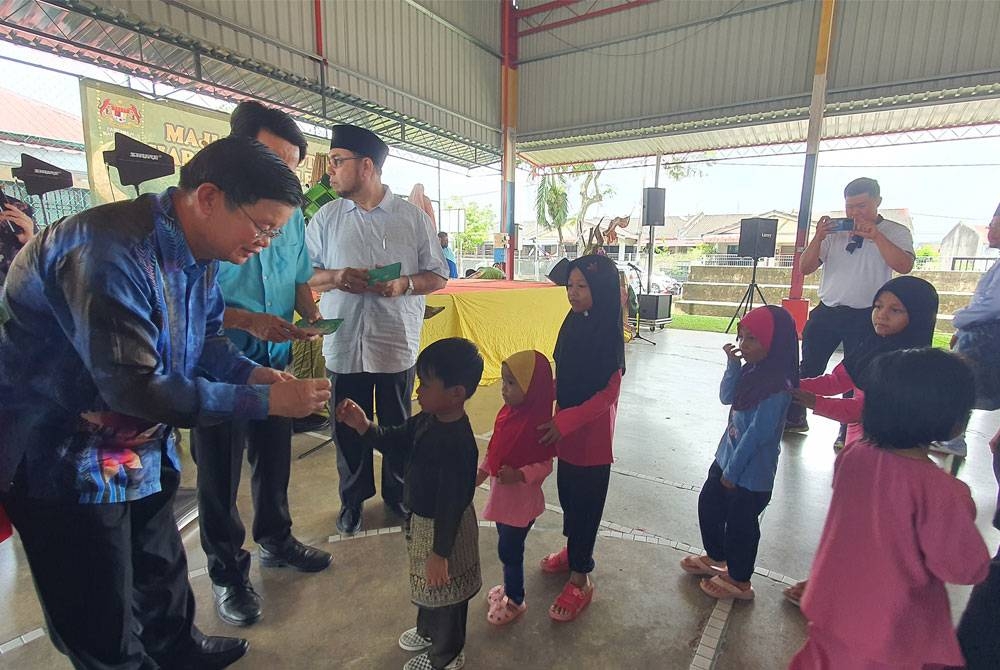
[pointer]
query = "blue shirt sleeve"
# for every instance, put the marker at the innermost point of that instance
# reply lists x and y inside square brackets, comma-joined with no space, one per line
[727,388]
[108,313]
[985,303]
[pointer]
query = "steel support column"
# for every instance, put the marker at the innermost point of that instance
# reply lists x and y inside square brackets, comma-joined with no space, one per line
[508,127]
[794,303]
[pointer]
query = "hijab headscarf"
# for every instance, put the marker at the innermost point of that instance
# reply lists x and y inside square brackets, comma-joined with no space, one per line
[921,302]
[515,434]
[774,328]
[591,345]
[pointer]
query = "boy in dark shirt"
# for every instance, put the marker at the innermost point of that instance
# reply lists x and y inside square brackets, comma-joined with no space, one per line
[442,534]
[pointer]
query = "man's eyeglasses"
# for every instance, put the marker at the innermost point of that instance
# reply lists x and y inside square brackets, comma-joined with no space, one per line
[337,161]
[261,232]
[854,244]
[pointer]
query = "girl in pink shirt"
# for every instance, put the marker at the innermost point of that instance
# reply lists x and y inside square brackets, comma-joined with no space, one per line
[517,464]
[898,528]
[904,313]
[590,361]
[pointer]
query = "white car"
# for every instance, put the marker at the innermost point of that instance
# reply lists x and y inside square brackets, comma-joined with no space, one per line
[660,283]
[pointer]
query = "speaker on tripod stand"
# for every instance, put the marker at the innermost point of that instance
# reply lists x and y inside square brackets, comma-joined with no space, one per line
[757,240]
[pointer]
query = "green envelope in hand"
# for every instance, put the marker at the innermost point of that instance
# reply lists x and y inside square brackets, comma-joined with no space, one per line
[382,274]
[324,326]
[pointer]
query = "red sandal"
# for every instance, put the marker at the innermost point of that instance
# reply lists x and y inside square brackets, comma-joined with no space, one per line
[573,599]
[557,562]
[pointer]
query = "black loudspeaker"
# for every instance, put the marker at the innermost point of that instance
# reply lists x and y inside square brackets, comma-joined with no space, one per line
[654,204]
[757,238]
[655,307]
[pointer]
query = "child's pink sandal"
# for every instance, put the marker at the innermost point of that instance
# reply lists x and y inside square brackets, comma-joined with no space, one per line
[504,611]
[496,594]
[557,562]
[573,600]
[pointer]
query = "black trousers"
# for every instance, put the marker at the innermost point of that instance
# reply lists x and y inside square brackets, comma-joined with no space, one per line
[218,452]
[582,492]
[826,329]
[445,628]
[730,529]
[111,578]
[388,396]
[510,548]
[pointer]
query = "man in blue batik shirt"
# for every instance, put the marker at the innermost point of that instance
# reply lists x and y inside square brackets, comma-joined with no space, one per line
[114,338]
[261,296]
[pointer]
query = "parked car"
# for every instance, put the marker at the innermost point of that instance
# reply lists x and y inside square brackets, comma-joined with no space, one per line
[660,283]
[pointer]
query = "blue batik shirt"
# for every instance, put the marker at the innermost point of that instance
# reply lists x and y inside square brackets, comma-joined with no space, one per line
[114,337]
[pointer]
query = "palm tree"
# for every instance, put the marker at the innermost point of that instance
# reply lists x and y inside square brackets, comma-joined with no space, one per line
[552,204]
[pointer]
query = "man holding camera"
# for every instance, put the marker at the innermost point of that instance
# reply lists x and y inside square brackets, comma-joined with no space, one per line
[856,261]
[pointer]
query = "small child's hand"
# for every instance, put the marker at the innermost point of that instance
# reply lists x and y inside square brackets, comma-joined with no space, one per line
[732,352]
[728,484]
[350,412]
[481,476]
[509,475]
[804,398]
[437,570]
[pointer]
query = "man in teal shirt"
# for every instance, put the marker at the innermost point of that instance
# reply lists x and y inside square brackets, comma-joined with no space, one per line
[261,296]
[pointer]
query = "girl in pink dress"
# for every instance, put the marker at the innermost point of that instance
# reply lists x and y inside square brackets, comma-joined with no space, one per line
[904,313]
[898,528]
[516,465]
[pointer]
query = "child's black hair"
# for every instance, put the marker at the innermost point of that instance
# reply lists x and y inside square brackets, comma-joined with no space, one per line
[455,361]
[917,396]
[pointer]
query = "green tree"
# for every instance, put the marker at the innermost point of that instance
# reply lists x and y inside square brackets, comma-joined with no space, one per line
[480,224]
[552,204]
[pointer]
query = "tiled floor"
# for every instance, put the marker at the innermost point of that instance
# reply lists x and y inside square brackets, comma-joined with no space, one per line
[646,614]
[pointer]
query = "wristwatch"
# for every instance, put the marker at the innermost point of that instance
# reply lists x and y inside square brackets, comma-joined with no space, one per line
[409,287]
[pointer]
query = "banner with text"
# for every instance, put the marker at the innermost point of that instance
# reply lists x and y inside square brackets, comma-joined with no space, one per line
[176,128]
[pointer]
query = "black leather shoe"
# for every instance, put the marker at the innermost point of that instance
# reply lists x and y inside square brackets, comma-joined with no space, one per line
[210,653]
[398,509]
[310,423]
[237,605]
[349,521]
[294,554]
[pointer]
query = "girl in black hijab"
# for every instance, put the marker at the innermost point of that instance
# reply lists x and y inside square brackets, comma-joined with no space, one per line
[590,362]
[904,312]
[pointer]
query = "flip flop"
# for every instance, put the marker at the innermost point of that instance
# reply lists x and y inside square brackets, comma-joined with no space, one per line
[573,599]
[557,562]
[794,594]
[697,565]
[721,589]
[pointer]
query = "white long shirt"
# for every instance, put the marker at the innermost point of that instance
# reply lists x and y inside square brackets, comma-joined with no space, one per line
[379,335]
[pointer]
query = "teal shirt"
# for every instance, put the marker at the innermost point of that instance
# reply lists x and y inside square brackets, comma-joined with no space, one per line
[266,283]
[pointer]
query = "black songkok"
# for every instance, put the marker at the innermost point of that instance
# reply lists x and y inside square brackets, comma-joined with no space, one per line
[361,141]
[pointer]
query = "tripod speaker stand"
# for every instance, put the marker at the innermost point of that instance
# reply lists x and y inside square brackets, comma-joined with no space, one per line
[746,304]
[757,240]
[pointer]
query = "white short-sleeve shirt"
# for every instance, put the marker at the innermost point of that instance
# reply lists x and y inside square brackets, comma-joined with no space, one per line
[852,279]
[379,335]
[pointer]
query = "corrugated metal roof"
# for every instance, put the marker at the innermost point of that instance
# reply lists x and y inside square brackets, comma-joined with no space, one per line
[891,115]
[199,48]
[675,77]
